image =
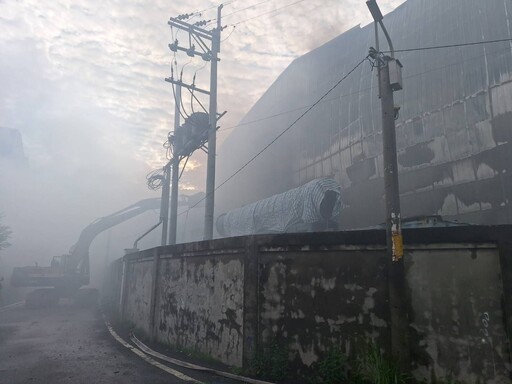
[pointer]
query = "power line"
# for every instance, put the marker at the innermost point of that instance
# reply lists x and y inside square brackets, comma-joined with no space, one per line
[362,90]
[326,94]
[282,133]
[266,13]
[246,8]
[214,6]
[211,21]
[451,45]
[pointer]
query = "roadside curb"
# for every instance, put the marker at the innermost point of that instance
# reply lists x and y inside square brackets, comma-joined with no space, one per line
[144,352]
[148,359]
[183,364]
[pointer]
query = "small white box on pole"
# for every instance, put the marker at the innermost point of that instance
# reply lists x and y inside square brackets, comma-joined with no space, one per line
[395,74]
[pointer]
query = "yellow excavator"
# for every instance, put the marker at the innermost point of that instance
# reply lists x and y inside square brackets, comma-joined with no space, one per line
[68,273]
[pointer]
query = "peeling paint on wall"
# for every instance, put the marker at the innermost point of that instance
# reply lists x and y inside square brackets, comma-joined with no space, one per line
[312,292]
[313,301]
[200,305]
[138,296]
[457,315]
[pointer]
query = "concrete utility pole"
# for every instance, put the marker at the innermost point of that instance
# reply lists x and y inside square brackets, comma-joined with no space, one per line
[389,74]
[164,207]
[212,134]
[199,36]
[390,80]
[175,170]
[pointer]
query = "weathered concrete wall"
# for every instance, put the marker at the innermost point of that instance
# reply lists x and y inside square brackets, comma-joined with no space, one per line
[137,292]
[457,316]
[313,300]
[308,293]
[200,305]
[111,288]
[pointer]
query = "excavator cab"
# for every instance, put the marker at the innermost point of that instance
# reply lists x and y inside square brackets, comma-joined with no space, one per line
[60,279]
[37,276]
[58,262]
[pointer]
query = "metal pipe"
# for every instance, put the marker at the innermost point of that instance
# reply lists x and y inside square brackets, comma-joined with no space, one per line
[146,233]
[388,38]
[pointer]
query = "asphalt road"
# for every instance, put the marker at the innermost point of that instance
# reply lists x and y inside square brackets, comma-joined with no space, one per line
[66,344]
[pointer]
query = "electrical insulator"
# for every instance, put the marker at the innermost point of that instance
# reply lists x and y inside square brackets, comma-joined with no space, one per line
[174,46]
[191,51]
[184,16]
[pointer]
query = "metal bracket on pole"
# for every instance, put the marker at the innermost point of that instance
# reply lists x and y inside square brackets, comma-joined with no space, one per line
[188,86]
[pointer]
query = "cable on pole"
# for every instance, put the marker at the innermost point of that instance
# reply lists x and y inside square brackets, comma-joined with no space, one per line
[192,96]
[230,33]
[183,169]
[180,102]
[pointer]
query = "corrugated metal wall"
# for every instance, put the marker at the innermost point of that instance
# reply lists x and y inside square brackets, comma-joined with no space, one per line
[453,133]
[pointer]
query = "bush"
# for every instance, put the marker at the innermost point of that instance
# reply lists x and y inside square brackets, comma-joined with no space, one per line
[374,368]
[333,369]
[271,362]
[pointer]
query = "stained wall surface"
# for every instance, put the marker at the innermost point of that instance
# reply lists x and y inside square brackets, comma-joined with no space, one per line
[313,301]
[200,305]
[310,293]
[137,300]
[457,323]
[453,132]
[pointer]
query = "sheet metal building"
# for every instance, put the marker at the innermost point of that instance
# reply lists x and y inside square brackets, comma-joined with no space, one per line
[454,133]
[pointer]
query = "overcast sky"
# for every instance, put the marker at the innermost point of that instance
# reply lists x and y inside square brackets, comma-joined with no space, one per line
[88,75]
[83,81]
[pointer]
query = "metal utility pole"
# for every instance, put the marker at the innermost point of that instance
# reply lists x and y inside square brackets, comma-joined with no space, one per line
[175,170]
[212,134]
[390,80]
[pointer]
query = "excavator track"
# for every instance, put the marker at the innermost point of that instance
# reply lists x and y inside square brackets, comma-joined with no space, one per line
[42,298]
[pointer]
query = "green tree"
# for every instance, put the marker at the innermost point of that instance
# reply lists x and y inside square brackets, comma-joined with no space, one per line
[5,233]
